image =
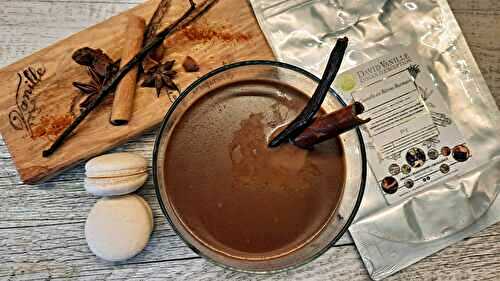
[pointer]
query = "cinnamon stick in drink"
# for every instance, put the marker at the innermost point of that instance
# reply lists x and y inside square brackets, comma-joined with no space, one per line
[124,96]
[331,125]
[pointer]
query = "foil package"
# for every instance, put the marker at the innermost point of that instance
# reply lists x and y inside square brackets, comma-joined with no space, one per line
[390,237]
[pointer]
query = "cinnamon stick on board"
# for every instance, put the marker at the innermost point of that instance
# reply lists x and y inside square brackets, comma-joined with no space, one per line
[124,96]
[331,125]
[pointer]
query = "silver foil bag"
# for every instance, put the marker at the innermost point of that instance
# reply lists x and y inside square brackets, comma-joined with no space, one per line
[390,237]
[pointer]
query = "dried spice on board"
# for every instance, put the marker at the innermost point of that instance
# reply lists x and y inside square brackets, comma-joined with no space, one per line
[161,76]
[100,68]
[190,64]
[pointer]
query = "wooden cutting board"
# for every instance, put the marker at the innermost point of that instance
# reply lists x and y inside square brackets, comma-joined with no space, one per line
[36,93]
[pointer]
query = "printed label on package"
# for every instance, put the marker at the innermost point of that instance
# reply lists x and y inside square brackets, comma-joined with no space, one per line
[411,141]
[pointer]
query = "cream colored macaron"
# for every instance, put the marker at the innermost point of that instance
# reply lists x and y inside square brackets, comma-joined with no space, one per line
[119,228]
[115,174]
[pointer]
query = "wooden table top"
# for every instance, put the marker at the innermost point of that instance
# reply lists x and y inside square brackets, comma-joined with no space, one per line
[41,227]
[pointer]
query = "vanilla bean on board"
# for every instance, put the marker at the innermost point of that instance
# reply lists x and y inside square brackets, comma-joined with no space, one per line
[305,118]
[331,125]
[152,28]
[154,23]
[109,86]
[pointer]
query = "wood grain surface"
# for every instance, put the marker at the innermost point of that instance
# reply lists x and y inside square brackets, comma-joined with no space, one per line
[41,227]
[226,33]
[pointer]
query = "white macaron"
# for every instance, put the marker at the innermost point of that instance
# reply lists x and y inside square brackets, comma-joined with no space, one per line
[115,174]
[119,228]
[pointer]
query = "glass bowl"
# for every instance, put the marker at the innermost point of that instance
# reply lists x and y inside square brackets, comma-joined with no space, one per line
[354,153]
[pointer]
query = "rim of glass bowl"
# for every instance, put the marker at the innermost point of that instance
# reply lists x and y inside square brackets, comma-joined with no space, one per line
[198,82]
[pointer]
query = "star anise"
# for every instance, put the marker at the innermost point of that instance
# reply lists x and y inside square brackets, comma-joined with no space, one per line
[100,68]
[161,76]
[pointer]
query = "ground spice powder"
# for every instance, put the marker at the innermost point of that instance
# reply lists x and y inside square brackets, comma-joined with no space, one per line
[51,126]
[206,33]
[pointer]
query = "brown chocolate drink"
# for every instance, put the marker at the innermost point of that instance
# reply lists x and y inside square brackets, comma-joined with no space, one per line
[235,194]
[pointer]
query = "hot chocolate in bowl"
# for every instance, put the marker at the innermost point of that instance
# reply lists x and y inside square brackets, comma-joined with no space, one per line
[239,203]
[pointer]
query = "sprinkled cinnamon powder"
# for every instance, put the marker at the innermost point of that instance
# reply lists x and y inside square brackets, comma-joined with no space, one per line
[51,125]
[206,33]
